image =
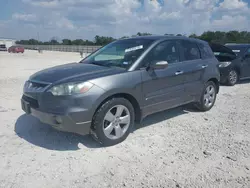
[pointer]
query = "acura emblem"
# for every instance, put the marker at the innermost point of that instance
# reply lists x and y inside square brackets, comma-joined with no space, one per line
[30,85]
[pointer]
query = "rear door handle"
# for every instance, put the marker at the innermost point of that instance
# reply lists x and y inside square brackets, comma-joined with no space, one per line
[204,66]
[179,72]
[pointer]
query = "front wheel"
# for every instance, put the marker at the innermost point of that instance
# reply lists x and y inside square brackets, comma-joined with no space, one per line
[232,77]
[113,121]
[208,97]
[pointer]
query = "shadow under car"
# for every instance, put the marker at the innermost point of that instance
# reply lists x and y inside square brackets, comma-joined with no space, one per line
[42,135]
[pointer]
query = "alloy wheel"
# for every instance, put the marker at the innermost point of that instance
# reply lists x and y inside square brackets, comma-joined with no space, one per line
[233,77]
[209,96]
[116,122]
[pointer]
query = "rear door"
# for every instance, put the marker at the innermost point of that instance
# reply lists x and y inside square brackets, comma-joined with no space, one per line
[194,67]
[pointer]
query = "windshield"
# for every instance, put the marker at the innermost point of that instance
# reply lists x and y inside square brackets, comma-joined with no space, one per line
[121,53]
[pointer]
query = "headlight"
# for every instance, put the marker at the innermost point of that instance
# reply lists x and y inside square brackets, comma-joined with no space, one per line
[71,88]
[224,64]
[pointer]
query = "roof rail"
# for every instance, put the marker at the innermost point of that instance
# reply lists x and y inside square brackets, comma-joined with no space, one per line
[237,43]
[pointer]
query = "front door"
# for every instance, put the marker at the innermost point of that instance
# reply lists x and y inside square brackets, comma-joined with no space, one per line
[245,68]
[163,89]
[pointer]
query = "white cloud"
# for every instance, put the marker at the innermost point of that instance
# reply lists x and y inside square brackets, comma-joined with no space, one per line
[42,3]
[87,18]
[173,15]
[64,23]
[66,3]
[228,22]
[202,5]
[25,17]
[233,4]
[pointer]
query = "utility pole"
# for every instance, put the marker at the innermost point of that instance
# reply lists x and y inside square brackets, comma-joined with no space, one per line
[38,36]
[39,51]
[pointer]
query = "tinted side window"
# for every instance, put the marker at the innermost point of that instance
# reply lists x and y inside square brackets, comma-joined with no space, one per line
[248,51]
[165,51]
[206,51]
[190,50]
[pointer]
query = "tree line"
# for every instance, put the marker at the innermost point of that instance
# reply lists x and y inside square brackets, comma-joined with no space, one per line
[209,36]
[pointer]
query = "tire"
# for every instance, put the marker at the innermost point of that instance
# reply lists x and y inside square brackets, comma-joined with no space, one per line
[202,105]
[107,127]
[233,77]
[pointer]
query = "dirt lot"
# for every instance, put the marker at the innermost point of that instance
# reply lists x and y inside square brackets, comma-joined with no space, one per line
[175,148]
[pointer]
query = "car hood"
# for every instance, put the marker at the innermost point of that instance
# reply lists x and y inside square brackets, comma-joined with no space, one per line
[222,53]
[74,72]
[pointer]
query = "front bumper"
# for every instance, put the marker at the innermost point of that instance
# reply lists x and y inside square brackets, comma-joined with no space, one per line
[60,122]
[65,113]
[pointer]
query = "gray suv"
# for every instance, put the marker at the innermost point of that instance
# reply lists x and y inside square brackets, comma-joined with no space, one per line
[121,83]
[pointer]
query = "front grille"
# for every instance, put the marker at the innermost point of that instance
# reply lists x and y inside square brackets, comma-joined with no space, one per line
[38,85]
[33,102]
[32,86]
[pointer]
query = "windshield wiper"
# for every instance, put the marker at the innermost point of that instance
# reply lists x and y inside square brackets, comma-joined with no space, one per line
[99,64]
[105,64]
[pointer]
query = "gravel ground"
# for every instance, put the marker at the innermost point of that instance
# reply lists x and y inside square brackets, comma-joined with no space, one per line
[175,148]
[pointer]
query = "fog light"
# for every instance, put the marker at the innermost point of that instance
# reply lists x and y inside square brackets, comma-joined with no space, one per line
[58,119]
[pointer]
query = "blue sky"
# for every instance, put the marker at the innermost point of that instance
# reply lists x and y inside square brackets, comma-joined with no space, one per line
[46,19]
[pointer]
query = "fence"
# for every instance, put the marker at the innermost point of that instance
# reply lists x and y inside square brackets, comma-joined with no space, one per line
[63,48]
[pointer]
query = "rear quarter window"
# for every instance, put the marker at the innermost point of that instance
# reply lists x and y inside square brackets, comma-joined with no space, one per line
[206,51]
[190,50]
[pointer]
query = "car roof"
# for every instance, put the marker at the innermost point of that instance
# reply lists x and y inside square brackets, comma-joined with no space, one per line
[164,37]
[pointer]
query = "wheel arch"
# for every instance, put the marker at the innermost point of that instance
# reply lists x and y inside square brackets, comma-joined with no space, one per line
[127,96]
[216,82]
[237,69]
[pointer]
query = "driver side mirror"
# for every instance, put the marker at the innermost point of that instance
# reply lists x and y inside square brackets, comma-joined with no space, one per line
[160,65]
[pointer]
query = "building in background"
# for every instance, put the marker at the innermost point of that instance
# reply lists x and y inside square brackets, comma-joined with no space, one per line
[8,42]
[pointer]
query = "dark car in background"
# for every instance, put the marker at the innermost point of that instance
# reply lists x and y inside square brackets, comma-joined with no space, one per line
[121,83]
[3,47]
[234,62]
[16,49]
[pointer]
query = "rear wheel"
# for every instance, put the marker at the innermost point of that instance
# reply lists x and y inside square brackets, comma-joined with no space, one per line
[208,97]
[113,121]
[233,77]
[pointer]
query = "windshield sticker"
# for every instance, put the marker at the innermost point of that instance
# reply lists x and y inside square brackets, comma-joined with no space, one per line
[236,51]
[125,63]
[134,48]
[216,53]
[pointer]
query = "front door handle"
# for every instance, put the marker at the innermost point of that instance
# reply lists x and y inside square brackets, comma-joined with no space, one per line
[179,72]
[204,66]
